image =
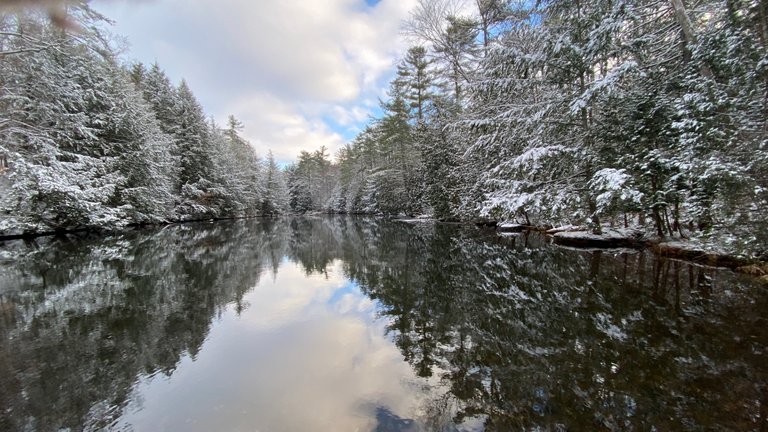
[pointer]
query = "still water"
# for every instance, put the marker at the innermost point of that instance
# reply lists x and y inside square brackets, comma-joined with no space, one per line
[344,324]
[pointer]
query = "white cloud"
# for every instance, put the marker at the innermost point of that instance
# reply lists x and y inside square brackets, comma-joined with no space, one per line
[273,123]
[279,66]
[292,297]
[350,116]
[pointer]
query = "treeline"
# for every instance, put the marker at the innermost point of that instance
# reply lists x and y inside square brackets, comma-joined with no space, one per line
[569,112]
[86,142]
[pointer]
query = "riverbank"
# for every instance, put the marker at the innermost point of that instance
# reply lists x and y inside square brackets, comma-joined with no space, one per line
[627,238]
[568,236]
[62,232]
[674,248]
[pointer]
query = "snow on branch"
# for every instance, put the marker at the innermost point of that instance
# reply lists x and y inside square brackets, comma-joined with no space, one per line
[605,85]
[612,185]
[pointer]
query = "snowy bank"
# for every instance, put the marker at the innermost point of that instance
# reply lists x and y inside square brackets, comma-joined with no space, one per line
[416,220]
[508,227]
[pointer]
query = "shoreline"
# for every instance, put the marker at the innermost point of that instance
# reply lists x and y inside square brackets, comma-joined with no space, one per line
[63,232]
[672,248]
[575,237]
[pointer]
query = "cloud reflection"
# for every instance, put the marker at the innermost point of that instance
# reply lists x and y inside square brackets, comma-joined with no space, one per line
[306,354]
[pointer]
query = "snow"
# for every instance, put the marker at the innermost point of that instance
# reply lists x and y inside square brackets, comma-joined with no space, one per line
[87,146]
[508,226]
[566,228]
[559,123]
[532,156]
[418,220]
[604,324]
[607,234]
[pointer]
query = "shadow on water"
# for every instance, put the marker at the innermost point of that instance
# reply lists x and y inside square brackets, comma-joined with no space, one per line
[523,335]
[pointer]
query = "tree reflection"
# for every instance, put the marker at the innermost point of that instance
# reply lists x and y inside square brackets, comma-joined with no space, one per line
[529,336]
[523,335]
[81,319]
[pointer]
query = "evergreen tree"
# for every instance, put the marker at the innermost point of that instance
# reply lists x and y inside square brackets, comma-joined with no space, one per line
[276,198]
[59,174]
[415,82]
[85,143]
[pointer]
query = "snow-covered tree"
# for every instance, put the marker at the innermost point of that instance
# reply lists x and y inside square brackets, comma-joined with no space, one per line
[311,182]
[60,173]
[276,199]
[86,143]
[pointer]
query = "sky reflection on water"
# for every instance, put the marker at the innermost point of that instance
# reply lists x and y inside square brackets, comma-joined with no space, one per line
[305,353]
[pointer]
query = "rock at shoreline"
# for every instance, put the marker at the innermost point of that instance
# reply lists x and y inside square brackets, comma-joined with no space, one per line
[415,220]
[566,228]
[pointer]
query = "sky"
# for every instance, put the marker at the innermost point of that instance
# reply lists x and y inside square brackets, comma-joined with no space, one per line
[299,74]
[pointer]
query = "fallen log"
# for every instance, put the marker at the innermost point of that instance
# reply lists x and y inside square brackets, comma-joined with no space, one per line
[608,239]
[689,252]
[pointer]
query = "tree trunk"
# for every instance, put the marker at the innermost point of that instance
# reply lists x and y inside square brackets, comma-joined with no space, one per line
[676,219]
[656,210]
[681,15]
[669,225]
[658,221]
[762,28]
[588,145]
[594,218]
[456,83]
[762,24]
[689,35]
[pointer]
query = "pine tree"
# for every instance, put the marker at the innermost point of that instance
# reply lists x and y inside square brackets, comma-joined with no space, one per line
[276,199]
[60,175]
[416,80]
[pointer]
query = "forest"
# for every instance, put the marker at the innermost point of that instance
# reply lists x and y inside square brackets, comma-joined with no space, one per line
[607,112]
[649,113]
[87,142]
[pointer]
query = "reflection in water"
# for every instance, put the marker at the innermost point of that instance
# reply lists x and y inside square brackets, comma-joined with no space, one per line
[302,356]
[303,324]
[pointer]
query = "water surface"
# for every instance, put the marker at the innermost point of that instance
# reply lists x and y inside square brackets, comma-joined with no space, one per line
[343,324]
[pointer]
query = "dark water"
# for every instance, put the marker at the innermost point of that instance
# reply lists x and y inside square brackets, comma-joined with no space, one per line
[359,325]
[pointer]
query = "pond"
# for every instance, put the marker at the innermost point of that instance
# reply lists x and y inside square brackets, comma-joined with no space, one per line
[358,324]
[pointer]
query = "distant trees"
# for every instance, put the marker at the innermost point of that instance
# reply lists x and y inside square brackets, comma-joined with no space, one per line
[311,181]
[276,198]
[88,143]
